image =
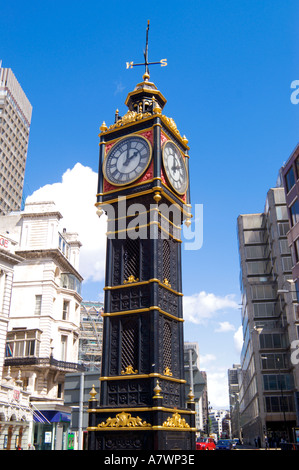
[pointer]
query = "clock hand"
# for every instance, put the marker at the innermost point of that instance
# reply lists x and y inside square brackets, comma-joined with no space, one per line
[129,157]
[175,166]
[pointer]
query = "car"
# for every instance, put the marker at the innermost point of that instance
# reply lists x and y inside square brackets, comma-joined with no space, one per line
[205,443]
[224,444]
[236,442]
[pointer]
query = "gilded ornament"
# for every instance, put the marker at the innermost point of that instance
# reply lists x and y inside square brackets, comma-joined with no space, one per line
[129,370]
[166,282]
[123,420]
[167,372]
[130,116]
[175,421]
[131,279]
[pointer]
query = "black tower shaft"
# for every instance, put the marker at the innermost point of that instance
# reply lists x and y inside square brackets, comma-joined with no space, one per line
[142,403]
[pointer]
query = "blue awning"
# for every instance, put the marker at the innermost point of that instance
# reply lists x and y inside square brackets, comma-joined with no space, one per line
[51,416]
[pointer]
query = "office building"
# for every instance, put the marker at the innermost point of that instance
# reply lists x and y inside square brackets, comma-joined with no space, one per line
[196,381]
[267,382]
[15,119]
[233,392]
[290,179]
[220,423]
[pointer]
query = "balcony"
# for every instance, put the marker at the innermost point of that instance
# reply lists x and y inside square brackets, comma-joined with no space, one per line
[43,362]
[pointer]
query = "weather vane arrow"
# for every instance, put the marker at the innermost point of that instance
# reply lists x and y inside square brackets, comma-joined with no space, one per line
[146,63]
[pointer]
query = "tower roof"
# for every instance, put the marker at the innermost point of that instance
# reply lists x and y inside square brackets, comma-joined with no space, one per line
[145,90]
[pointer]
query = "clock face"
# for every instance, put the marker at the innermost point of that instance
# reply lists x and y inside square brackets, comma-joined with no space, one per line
[175,167]
[127,160]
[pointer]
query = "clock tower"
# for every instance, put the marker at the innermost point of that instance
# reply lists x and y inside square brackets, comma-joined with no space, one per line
[143,187]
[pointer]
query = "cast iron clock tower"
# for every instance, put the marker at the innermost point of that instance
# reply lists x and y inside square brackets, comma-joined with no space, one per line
[143,187]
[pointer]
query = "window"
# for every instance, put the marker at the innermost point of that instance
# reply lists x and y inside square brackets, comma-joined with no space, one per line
[63,347]
[254,236]
[65,310]
[290,179]
[59,390]
[284,247]
[276,404]
[294,209]
[262,292]
[69,281]
[287,263]
[38,305]
[281,213]
[275,361]
[257,267]
[265,309]
[64,246]
[297,167]
[278,382]
[22,343]
[272,341]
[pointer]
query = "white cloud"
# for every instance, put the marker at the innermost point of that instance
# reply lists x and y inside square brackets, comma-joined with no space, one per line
[202,306]
[224,326]
[75,198]
[206,359]
[218,389]
[238,339]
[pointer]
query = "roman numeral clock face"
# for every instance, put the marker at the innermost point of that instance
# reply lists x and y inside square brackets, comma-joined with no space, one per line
[127,160]
[175,167]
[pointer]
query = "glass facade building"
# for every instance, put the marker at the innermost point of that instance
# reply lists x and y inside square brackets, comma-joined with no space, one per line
[267,388]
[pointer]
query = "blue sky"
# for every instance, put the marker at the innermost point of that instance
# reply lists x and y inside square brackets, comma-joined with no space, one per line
[228,87]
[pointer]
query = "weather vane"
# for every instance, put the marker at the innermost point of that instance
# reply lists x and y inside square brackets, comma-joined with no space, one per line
[146,63]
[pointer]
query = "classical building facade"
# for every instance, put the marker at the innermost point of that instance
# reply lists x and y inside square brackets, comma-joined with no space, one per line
[15,119]
[43,330]
[15,412]
[268,383]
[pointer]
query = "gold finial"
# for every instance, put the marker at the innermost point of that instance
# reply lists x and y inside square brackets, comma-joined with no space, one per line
[157,197]
[92,393]
[188,222]
[103,127]
[191,395]
[157,390]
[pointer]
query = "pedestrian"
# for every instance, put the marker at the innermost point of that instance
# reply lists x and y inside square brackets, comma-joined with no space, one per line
[266,442]
[31,446]
[259,442]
